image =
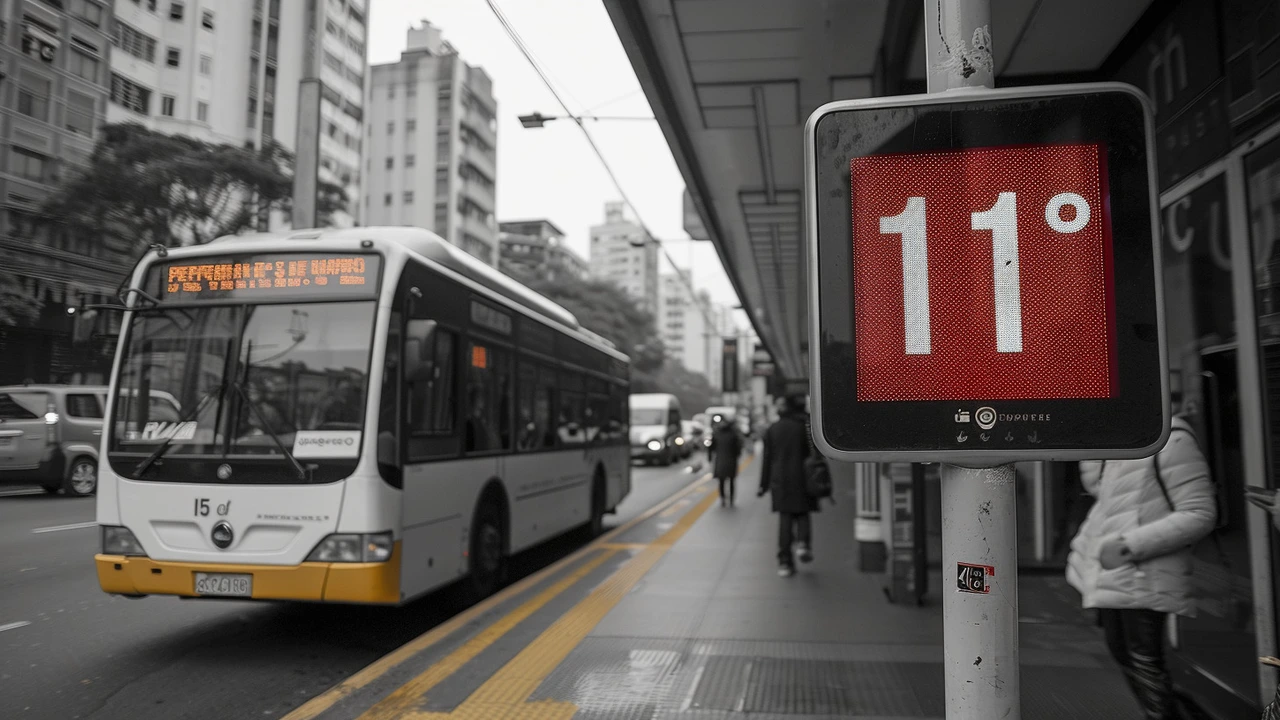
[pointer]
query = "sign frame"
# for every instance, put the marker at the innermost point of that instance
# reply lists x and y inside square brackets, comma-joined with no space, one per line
[1052,446]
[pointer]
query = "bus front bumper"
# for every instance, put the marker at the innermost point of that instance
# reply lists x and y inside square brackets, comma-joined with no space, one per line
[377,583]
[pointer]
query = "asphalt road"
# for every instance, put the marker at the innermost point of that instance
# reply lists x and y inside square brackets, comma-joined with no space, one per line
[67,650]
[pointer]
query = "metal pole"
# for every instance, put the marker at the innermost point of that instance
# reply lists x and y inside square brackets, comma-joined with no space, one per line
[979,521]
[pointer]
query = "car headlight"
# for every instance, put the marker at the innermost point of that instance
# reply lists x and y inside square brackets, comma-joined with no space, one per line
[680,441]
[353,547]
[118,540]
[654,445]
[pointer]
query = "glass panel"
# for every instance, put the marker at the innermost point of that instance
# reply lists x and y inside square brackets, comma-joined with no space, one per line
[83,406]
[1201,325]
[23,405]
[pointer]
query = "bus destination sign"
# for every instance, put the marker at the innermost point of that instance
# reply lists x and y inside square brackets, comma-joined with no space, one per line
[258,276]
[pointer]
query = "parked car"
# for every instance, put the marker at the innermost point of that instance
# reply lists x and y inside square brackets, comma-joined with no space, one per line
[49,434]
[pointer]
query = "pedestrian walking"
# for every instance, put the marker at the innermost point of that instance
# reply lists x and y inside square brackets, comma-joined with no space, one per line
[782,473]
[1131,558]
[726,448]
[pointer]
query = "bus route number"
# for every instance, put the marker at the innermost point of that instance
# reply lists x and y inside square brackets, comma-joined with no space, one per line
[202,507]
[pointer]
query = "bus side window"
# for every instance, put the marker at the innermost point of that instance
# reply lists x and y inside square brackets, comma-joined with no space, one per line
[482,401]
[544,404]
[534,409]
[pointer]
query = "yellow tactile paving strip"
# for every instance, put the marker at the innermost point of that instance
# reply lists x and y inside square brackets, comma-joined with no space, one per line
[505,694]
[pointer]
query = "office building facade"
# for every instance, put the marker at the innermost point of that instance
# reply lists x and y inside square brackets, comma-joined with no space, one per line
[621,253]
[537,248]
[166,74]
[432,145]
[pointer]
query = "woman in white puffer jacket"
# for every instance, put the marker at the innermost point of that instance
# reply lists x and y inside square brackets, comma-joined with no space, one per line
[1132,557]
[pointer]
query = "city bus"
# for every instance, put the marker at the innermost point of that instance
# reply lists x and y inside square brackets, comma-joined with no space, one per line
[366,415]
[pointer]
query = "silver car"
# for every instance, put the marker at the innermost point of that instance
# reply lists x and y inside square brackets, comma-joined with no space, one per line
[49,434]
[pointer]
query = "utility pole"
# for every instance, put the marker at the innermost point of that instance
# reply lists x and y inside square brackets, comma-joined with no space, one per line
[306,164]
[979,509]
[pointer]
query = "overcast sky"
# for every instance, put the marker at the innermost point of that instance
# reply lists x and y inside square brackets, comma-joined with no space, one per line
[552,172]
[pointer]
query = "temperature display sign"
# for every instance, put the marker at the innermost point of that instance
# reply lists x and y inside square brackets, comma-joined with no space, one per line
[983,274]
[983,277]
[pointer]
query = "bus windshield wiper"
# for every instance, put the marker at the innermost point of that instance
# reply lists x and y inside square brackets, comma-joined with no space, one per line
[160,450]
[270,431]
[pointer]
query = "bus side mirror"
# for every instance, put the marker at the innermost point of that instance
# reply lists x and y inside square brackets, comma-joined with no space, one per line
[417,347]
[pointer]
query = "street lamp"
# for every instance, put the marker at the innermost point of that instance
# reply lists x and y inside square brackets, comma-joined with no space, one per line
[537,120]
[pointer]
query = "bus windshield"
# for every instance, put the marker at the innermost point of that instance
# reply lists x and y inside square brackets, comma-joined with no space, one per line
[248,380]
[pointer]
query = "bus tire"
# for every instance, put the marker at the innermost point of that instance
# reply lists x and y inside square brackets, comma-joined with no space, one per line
[488,550]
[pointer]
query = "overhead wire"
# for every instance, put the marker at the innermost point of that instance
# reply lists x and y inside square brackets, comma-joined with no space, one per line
[685,278]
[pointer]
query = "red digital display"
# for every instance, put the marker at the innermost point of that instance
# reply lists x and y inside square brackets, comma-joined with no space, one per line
[983,274]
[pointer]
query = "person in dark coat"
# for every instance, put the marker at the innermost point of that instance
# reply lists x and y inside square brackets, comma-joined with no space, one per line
[786,445]
[726,448]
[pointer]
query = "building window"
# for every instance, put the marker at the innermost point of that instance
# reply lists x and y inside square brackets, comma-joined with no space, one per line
[391,128]
[408,197]
[206,64]
[386,199]
[129,94]
[410,125]
[202,112]
[391,92]
[391,162]
[83,65]
[166,105]
[88,11]
[411,91]
[79,113]
[176,11]
[173,57]
[409,161]
[206,20]
[26,164]
[134,41]
[33,96]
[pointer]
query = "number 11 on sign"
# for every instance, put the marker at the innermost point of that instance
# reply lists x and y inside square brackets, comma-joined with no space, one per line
[1002,220]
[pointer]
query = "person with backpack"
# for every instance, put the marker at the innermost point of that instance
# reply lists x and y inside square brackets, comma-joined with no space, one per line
[1131,558]
[726,448]
[787,446]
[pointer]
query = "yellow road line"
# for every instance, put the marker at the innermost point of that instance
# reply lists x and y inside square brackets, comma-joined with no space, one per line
[403,698]
[322,702]
[506,693]
[624,546]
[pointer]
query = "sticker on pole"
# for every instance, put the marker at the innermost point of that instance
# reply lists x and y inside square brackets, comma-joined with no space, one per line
[984,271]
[972,578]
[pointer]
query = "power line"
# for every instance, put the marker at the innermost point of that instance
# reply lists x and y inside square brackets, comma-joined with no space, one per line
[546,80]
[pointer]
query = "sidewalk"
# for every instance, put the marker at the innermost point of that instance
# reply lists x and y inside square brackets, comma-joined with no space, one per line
[712,632]
[681,614]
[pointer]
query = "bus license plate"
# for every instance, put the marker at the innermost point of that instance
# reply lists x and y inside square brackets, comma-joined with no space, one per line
[224,584]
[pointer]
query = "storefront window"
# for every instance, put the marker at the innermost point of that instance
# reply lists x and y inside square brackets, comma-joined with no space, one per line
[1201,325]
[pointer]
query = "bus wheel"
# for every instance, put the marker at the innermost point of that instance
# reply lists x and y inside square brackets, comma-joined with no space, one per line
[488,552]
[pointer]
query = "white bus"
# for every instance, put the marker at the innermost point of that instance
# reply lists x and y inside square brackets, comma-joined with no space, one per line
[367,415]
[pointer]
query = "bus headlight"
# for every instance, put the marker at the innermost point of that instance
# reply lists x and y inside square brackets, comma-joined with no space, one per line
[350,547]
[120,541]
[654,445]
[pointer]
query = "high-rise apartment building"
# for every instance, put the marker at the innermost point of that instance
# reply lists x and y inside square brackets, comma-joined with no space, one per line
[688,324]
[53,56]
[537,247]
[228,71]
[432,145]
[622,253]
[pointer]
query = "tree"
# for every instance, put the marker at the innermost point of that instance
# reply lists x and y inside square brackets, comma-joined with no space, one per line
[151,188]
[692,388]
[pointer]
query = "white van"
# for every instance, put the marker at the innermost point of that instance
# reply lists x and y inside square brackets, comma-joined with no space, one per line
[655,428]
